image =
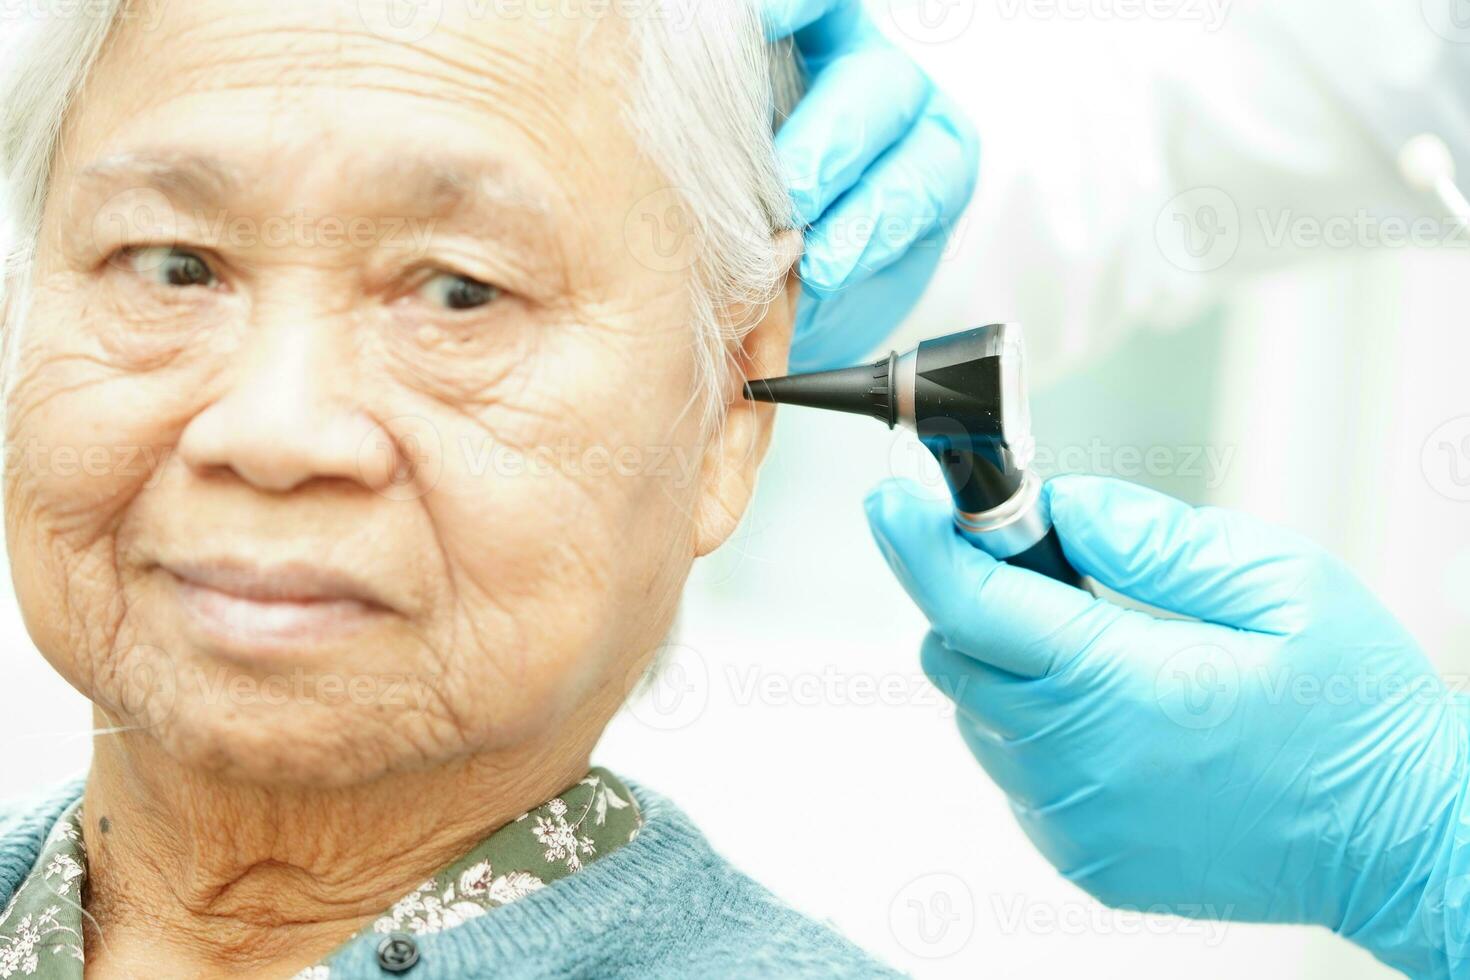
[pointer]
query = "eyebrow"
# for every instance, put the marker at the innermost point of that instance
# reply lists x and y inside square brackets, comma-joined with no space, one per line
[188,176]
[414,181]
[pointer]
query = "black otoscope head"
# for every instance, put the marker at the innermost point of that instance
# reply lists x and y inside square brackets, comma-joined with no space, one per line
[964,395]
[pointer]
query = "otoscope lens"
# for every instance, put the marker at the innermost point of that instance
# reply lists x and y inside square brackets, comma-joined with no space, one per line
[1015,398]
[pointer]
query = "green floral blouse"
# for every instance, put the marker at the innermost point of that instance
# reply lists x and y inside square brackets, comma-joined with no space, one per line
[41,928]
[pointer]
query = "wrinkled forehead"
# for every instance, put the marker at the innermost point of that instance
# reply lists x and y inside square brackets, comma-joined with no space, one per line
[297,97]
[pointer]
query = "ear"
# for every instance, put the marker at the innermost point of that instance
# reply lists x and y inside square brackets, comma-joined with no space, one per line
[733,457]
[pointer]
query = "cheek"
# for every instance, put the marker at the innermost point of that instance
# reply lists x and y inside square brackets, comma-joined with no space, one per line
[564,511]
[85,428]
[84,437]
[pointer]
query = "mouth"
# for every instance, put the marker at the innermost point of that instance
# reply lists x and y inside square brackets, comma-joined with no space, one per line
[258,609]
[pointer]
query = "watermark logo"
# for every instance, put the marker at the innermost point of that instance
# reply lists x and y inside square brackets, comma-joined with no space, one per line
[1361,229]
[1020,914]
[147,685]
[661,233]
[145,13]
[1210,14]
[1445,459]
[675,694]
[933,916]
[833,687]
[1199,230]
[404,21]
[1198,687]
[1450,19]
[137,214]
[402,459]
[931,21]
[1209,465]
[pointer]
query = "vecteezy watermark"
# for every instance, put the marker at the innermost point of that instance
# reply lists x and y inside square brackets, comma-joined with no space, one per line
[1206,465]
[566,458]
[146,215]
[833,687]
[1202,686]
[403,21]
[145,13]
[1361,229]
[1198,687]
[680,687]
[1021,915]
[1209,14]
[406,458]
[146,686]
[36,459]
[1362,687]
[1450,19]
[302,687]
[876,240]
[402,459]
[1199,230]
[661,232]
[928,21]
[410,21]
[150,685]
[675,693]
[1445,459]
[933,916]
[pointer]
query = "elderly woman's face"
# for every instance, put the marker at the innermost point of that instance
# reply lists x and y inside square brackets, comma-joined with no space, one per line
[349,431]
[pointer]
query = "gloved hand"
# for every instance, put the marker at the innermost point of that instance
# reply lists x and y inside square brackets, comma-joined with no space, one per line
[1289,755]
[880,167]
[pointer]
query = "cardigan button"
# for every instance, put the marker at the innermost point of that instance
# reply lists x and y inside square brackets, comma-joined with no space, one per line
[398,953]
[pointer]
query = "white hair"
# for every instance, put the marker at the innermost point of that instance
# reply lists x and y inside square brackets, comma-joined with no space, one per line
[708,95]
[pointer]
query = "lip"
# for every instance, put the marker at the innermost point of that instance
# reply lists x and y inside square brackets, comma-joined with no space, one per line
[253,610]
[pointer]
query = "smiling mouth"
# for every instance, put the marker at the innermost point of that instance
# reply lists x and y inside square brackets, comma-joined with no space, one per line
[254,610]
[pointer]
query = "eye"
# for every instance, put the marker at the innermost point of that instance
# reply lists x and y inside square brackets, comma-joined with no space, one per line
[170,266]
[457,292]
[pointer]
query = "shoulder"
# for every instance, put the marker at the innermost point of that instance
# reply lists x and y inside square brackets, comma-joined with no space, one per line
[724,923]
[24,824]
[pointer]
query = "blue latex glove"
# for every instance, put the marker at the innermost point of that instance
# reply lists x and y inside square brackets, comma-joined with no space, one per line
[880,167]
[1288,755]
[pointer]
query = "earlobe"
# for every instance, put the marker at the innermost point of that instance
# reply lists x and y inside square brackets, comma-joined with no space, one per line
[733,458]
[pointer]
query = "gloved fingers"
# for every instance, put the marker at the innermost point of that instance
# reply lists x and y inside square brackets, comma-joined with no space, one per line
[915,191]
[837,328]
[1008,708]
[825,23]
[1090,860]
[1022,783]
[1021,622]
[857,107]
[1208,563]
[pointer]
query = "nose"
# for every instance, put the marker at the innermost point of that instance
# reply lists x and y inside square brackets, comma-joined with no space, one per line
[289,416]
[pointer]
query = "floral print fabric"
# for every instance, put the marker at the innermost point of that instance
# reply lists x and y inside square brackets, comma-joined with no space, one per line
[41,927]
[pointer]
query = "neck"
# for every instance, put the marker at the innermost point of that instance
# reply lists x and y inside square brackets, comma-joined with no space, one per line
[240,876]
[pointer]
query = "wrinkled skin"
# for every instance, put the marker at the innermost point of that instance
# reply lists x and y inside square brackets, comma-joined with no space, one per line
[287,355]
[282,406]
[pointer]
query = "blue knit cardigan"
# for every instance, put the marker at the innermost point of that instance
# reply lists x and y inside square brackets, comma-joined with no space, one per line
[664,905]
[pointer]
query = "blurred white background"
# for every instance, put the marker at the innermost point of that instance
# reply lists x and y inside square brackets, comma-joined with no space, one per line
[1315,381]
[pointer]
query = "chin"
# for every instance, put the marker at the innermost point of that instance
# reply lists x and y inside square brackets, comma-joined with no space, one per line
[241,729]
[284,751]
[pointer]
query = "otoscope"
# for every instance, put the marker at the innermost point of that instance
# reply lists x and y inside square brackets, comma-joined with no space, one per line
[965,397]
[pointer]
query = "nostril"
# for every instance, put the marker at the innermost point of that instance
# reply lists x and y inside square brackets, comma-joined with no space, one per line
[278,449]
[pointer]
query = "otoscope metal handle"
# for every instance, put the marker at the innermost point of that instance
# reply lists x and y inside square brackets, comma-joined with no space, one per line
[1020,533]
[1046,557]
